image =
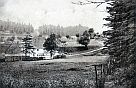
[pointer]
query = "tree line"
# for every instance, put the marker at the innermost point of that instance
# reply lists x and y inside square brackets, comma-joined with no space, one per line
[63,31]
[13,27]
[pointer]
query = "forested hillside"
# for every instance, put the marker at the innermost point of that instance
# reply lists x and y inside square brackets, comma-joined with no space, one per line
[63,31]
[13,27]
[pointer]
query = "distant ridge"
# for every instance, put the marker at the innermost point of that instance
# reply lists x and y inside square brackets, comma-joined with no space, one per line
[63,31]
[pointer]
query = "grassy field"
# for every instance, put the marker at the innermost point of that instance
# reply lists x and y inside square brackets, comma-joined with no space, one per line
[29,74]
[46,75]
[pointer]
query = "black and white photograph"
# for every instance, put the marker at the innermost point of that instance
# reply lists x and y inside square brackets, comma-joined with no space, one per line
[67,43]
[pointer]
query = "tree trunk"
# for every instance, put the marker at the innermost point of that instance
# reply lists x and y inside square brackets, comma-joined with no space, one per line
[51,53]
[86,47]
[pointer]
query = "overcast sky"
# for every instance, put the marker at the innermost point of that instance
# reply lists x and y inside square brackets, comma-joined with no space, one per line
[62,12]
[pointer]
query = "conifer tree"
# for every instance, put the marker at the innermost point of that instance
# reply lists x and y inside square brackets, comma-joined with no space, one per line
[122,41]
[27,45]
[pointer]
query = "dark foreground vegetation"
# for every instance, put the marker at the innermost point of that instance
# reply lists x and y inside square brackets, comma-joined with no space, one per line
[46,75]
[121,42]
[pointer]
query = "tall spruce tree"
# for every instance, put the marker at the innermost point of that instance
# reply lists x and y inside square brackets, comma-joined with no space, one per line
[122,41]
[27,45]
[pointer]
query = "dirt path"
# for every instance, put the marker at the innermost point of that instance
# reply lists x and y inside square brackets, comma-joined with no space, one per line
[82,59]
[92,59]
[87,52]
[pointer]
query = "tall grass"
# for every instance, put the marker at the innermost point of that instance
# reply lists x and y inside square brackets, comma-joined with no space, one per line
[47,75]
[7,81]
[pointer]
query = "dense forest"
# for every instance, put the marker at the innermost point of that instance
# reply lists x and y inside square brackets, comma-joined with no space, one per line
[21,28]
[122,42]
[13,27]
[63,31]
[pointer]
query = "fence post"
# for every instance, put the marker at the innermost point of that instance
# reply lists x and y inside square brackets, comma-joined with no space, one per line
[96,79]
[100,80]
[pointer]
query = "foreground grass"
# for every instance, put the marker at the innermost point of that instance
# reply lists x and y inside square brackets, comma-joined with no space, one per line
[46,75]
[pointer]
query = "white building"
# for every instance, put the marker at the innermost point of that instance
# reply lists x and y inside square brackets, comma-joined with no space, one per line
[40,53]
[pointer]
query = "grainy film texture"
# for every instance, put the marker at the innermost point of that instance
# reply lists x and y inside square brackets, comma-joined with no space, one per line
[67,44]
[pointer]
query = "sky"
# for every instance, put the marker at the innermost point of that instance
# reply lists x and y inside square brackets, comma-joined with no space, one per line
[55,12]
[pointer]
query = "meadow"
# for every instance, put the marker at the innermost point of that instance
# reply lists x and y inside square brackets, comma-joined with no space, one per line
[46,75]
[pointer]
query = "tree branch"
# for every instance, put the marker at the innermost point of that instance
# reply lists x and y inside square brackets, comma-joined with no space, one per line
[89,2]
